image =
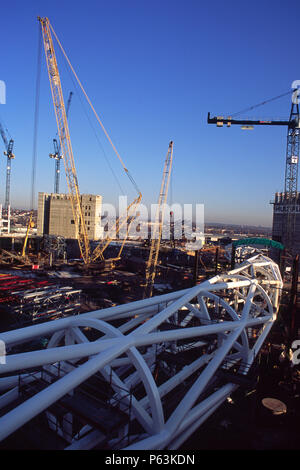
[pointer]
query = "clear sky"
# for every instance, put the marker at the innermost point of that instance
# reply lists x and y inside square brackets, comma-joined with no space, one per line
[153,70]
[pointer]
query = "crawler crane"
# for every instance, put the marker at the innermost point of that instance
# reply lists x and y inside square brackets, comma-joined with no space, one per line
[67,152]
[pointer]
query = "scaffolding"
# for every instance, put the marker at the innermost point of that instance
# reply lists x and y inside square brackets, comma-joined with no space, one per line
[29,300]
[5,222]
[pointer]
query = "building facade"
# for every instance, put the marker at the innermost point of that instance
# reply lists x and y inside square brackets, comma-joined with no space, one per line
[286,222]
[55,215]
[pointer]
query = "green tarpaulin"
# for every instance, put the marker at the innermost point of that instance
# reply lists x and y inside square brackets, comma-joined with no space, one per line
[258,241]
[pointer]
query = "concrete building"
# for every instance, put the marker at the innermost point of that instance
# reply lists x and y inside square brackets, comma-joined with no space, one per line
[286,222]
[55,216]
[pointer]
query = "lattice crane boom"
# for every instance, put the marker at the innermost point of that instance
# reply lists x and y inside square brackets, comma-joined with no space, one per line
[65,140]
[103,244]
[292,154]
[158,225]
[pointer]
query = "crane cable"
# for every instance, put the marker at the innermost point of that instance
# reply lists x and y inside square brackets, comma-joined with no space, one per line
[94,130]
[96,115]
[262,103]
[36,117]
[4,127]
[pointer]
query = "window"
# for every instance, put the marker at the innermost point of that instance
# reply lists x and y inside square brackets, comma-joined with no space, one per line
[73,221]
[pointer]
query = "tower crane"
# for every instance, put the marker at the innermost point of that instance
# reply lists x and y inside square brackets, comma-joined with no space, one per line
[10,156]
[292,154]
[57,156]
[158,225]
[67,152]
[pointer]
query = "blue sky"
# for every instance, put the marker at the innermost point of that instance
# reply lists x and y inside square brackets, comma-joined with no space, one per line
[153,70]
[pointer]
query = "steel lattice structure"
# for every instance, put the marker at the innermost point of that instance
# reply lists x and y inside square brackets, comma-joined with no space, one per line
[160,360]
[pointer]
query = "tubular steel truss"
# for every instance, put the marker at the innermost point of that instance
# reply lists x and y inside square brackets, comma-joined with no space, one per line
[153,370]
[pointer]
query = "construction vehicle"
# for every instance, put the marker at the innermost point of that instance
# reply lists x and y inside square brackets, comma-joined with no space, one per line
[158,225]
[88,257]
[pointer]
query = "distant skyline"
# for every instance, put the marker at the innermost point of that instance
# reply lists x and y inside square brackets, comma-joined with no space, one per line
[153,70]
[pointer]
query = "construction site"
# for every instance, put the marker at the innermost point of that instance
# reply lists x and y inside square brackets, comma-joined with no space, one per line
[166,340]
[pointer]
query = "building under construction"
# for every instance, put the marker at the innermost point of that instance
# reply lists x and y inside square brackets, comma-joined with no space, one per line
[55,215]
[286,221]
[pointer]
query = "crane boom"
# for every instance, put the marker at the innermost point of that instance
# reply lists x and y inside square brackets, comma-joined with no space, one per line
[67,113]
[103,244]
[158,225]
[29,226]
[292,153]
[65,141]
[292,158]
[220,120]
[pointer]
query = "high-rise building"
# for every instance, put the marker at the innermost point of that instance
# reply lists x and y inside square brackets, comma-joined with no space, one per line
[286,222]
[55,215]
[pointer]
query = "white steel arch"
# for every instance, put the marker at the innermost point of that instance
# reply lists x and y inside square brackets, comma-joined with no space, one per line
[160,358]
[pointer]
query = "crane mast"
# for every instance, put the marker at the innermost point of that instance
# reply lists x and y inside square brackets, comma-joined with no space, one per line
[65,141]
[57,156]
[9,153]
[291,174]
[158,225]
[292,154]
